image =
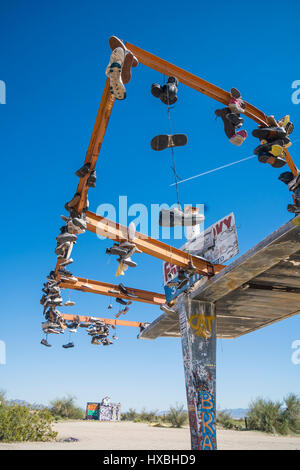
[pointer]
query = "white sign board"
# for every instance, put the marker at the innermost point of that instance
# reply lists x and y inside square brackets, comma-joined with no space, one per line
[217,244]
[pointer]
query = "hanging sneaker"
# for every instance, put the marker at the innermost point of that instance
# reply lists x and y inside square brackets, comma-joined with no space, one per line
[161,142]
[68,345]
[73,203]
[286,124]
[68,261]
[236,104]
[238,138]
[229,128]
[83,171]
[175,216]
[85,324]
[131,231]
[45,343]
[167,93]
[271,134]
[293,208]
[129,61]
[52,330]
[125,291]
[128,262]
[66,237]
[95,341]
[114,337]
[116,250]
[126,69]
[91,181]
[69,303]
[106,342]
[235,120]
[122,301]
[114,73]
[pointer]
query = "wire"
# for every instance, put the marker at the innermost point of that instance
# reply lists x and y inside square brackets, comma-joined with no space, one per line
[211,171]
[172,151]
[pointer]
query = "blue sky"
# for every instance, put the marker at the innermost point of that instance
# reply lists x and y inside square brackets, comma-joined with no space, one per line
[53,65]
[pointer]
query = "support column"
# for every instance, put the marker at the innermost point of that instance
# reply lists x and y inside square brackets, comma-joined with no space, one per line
[197,321]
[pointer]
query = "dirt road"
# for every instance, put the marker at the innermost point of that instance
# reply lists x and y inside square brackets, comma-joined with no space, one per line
[126,435]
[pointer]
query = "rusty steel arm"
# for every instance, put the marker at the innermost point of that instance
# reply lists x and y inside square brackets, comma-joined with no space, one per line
[96,140]
[114,231]
[108,321]
[111,290]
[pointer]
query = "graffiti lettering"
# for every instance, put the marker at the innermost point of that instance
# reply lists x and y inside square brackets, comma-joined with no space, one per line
[202,325]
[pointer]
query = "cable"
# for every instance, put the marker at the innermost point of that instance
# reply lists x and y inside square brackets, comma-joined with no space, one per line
[172,151]
[215,169]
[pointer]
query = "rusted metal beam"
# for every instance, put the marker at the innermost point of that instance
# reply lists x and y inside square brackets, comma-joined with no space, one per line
[108,321]
[114,231]
[204,87]
[96,140]
[112,290]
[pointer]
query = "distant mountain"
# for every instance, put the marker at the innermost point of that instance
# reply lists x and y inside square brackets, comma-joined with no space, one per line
[25,403]
[237,413]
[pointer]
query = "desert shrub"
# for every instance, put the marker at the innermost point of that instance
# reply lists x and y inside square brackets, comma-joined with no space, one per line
[225,420]
[176,416]
[291,413]
[267,416]
[65,408]
[20,423]
[148,416]
[129,415]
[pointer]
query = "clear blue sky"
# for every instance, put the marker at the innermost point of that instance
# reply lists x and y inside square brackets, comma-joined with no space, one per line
[52,59]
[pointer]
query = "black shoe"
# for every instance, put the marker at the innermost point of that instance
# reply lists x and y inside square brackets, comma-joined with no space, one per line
[229,128]
[44,342]
[161,142]
[91,182]
[83,171]
[122,301]
[68,345]
[293,209]
[125,291]
[286,177]
[270,134]
[235,119]
[156,90]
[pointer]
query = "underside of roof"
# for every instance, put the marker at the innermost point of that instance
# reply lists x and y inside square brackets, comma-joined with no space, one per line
[259,288]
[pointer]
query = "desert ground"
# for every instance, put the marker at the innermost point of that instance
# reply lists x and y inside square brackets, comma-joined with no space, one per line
[133,436]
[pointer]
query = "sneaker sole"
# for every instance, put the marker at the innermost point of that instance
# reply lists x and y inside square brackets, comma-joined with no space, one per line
[161,142]
[116,85]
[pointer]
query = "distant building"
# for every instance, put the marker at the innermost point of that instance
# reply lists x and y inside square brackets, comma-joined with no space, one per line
[103,411]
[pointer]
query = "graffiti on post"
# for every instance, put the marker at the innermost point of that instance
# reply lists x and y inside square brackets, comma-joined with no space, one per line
[198,338]
[208,424]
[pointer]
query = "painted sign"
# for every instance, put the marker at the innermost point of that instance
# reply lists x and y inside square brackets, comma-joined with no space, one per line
[217,244]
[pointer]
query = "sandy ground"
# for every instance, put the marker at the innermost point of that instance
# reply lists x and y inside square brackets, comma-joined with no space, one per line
[133,436]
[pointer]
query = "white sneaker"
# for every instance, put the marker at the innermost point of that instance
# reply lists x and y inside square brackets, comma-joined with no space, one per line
[175,216]
[114,73]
